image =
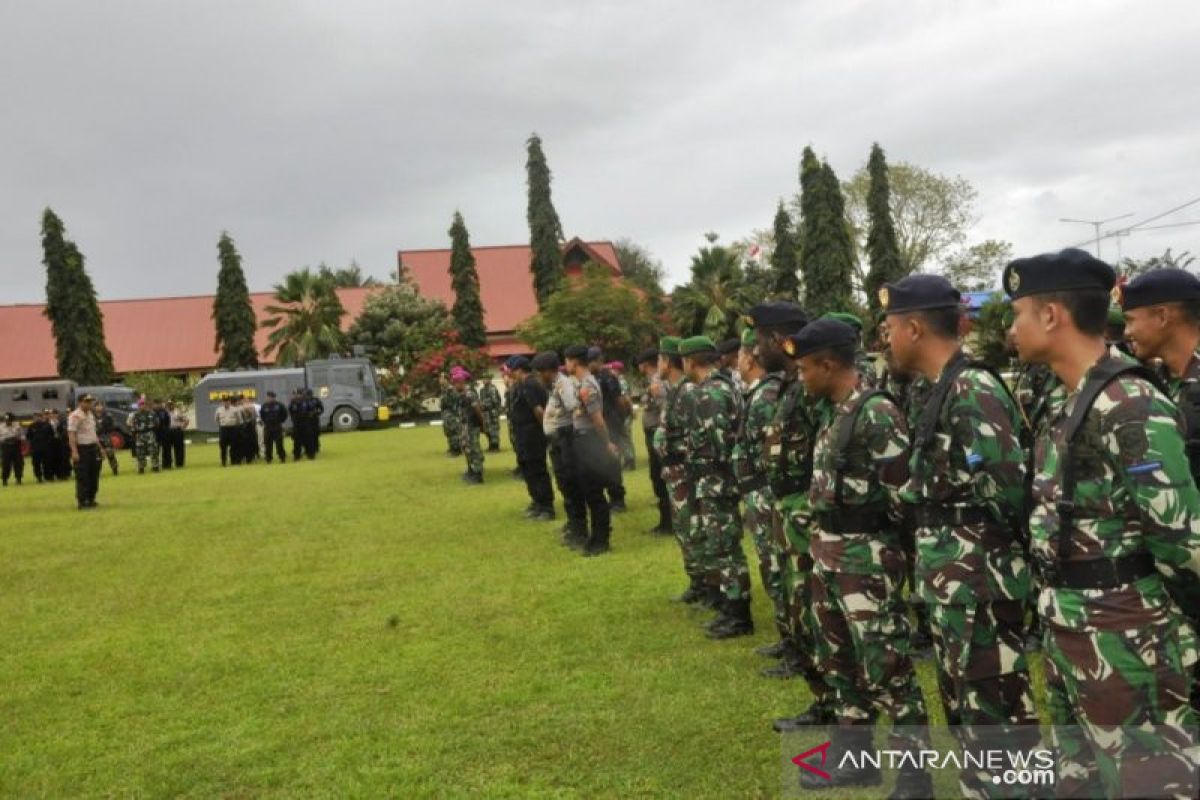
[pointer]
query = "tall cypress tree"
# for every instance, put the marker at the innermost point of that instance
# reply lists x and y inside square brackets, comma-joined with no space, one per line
[827,254]
[72,308]
[785,278]
[232,313]
[882,249]
[467,310]
[545,231]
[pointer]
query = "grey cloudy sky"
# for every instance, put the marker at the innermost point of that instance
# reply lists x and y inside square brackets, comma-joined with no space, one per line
[336,130]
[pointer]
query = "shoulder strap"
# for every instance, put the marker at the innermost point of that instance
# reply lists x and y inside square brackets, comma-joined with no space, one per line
[927,422]
[841,442]
[1098,379]
[1189,404]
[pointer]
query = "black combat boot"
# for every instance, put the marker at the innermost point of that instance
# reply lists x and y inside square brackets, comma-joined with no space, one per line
[693,594]
[774,650]
[819,713]
[738,621]
[713,598]
[912,784]
[857,739]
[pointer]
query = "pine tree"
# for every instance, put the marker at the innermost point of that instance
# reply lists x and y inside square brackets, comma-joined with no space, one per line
[545,230]
[785,278]
[883,252]
[468,310]
[827,252]
[72,308]
[232,312]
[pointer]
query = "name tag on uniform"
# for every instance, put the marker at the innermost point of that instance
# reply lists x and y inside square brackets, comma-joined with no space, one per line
[1142,469]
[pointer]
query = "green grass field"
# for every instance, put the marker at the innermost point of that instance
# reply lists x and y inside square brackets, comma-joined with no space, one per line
[362,625]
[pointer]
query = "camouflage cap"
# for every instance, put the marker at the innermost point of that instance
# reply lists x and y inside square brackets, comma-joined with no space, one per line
[694,345]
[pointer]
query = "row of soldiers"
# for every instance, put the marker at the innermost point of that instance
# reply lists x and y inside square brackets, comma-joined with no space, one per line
[1082,500]
[238,419]
[158,435]
[48,446]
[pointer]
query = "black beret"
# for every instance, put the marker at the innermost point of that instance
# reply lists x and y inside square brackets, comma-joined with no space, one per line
[1166,285]
[1067,270]
[821,334]
[777,314]
[647,356]
[576,351]
[729,346]
[918,293]
[595,354]
[517,362]
[545,361]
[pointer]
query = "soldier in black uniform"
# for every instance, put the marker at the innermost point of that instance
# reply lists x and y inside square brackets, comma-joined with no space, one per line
[314,408]
[616,407]
[62,447]
[273,415]
[529,400]
[41,444]
[162,432]
[299,424]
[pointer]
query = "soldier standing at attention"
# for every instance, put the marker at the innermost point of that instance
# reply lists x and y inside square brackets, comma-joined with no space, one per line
[595,453]
[12,460]
[615,408]
[966,486]
[299,424]
[788,443]
[105,428]
[652,406]
[473,421]
[162,432]
[227,418]
[490,402]
[1115,531]
[273,415]
[175,440]
[144,424]
[715,414]
[859,466]
[450,419]
[729,349]
[528,408]
[625,433]
[314,408]
[84,445]
[750,466]
[41,442]
[670,444]
[560,435]
[867,372]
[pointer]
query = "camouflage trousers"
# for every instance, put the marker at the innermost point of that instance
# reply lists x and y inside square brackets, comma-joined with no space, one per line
[452,427]
[717,531]
[791,535]
[984,679]
[469,445]
[679,491]
[1099,681]
[862,647]
[492,418]
[145,446]
[759,516]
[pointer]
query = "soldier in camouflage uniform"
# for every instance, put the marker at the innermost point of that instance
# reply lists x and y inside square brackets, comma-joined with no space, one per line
[490,402]
[471,421]
[143,423]
[714,414]
[451,419]
[1116,533]
[750,467]
[859,466]
[966,486]
[788,442]
[653,400]
[669,442]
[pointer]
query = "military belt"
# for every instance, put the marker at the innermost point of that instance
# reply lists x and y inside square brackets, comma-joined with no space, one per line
[926,517]
[866,519]
[674,459]
[1097,573]
[753,483]
[783,487]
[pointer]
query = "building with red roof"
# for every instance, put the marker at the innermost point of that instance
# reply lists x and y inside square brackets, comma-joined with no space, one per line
[161,334]
[505,283]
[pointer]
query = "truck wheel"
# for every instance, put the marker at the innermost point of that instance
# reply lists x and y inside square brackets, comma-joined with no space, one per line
[345,419]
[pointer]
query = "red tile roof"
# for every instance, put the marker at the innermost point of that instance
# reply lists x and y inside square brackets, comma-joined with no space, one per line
[164,334]
[505,283]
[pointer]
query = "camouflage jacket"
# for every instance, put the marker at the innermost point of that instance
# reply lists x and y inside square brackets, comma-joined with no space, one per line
[669,439]
[714,411]
[868,375]
[1133,494]
[489,398]
[470,409]
[761,402]
[449,402]
[653,400]
[875,469]
[1191,374]
[788,440]
[973,459]
[143,421]
[1032,391]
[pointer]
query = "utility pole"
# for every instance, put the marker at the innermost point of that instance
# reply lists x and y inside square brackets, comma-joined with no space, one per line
[1096,223]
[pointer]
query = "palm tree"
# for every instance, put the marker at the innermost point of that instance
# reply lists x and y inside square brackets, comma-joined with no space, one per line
[306,323]
[711,302]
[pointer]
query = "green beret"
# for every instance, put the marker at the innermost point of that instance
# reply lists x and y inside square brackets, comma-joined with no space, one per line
[669,345]
[697,344]
[841,316]
[1115,315]
[749,338]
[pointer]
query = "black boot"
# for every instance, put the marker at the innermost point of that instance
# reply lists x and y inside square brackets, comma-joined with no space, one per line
[857,739]
[912,784]
[693,594]
[775,650]
[789,665]
[819,713]
[738,621]
[713,598]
